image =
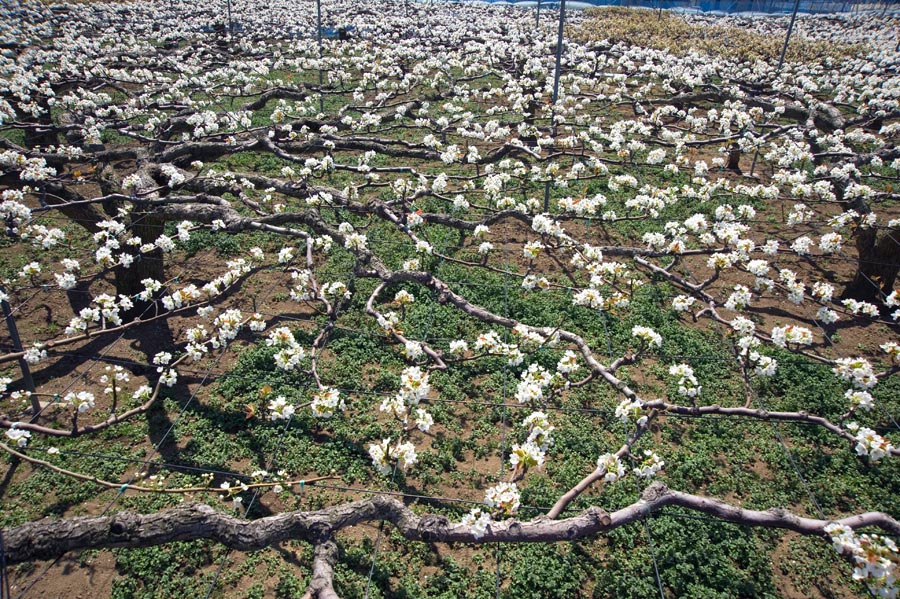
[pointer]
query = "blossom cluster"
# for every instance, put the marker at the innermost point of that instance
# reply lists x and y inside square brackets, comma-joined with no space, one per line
[869,443]
[874,557]
[384,454]
[289,353]
[502,499]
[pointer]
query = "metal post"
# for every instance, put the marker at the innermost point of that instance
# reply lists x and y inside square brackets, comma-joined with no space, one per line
[787,37]
[537,17]
[230,22]
[753,164]
[559,45]
[23,364]
[319,37]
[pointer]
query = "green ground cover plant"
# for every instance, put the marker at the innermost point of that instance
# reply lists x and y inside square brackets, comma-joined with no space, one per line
[421,329]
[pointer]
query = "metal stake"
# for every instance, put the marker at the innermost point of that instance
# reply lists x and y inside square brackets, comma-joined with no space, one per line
[319,36]
[787,37]
[753,164]
[23,363]
[559,45]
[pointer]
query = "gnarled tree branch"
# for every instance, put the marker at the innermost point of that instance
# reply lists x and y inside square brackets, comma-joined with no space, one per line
[47,538]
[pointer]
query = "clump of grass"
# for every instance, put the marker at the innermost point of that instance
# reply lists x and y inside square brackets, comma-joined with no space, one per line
[666,31]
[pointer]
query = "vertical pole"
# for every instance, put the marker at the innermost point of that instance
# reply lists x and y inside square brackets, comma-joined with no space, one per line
[559,46]
[230,22]
[4,573]
[787,37]
[753,164]
[319,37]
[537,17]
[23,364]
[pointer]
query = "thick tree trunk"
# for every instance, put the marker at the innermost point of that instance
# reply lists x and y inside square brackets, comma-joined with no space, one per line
[148,226]
[42,134]
[734,158]
[877,265]
[878,258]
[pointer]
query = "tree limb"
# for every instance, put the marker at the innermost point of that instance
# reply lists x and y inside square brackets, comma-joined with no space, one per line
[47,538]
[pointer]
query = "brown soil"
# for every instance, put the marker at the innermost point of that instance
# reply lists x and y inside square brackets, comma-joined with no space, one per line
[74,576]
